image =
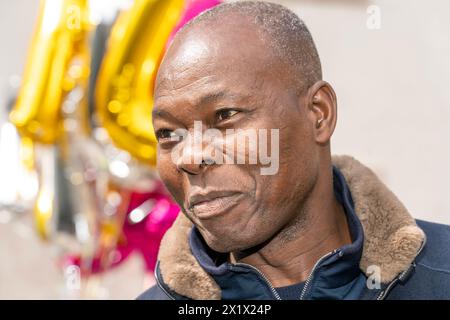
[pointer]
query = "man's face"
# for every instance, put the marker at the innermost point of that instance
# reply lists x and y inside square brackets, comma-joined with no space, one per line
[227,78]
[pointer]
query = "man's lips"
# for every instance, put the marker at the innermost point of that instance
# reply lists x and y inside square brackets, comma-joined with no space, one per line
[213,203]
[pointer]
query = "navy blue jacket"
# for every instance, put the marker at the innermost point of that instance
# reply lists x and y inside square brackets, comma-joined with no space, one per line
[412,261]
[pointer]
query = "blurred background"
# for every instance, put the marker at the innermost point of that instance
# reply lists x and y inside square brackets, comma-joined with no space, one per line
[82,210]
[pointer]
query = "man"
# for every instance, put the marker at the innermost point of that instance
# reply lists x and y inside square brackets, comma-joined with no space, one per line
[320,227]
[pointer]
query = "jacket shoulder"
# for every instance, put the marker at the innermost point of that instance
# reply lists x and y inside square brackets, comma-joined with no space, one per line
[154,293]
[436,253]
[431,276]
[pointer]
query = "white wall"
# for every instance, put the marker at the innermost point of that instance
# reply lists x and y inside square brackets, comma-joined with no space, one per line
[392,88]
[394,115]
[17,19]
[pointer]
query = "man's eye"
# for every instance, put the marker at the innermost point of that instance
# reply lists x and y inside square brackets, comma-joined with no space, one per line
[225,114]
[166,135]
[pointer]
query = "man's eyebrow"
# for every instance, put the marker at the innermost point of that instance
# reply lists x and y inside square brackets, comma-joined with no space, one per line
[206,99]
[158,113]
[213,97]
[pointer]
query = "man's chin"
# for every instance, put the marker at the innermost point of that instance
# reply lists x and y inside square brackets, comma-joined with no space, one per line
[225,243]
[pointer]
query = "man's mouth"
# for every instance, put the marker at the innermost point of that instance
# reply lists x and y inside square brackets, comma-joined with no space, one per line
[213,203]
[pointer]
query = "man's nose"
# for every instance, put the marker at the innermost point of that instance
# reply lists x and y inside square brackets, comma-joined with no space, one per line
[193,161]
[193,169]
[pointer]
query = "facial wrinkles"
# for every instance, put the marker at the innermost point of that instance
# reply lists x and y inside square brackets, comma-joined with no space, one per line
[177,93]
[194,60]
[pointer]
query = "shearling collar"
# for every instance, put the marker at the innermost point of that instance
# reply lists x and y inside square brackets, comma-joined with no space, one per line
[391,236]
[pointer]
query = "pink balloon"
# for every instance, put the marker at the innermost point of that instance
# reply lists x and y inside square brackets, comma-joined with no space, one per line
[143,237]
[192,9]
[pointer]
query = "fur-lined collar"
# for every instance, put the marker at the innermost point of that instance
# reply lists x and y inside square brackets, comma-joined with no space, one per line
[391,236]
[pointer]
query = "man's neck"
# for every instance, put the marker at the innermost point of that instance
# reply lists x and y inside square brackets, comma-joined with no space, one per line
[324,228]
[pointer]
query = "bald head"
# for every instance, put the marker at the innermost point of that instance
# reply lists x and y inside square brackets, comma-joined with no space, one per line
[241,67]
[277,28]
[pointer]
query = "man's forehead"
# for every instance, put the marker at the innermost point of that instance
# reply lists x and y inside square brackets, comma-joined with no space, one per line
[215,44]
[183,54]
[223,62]
[196,64]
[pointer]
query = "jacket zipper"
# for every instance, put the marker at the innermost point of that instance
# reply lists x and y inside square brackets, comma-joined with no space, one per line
[272,288]
[160,284]
[269,284]
[386,291]
[311,274]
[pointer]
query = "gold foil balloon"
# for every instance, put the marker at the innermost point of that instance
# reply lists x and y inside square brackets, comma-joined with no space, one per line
[125,83]
[61,27]
[44,207]
[57,64]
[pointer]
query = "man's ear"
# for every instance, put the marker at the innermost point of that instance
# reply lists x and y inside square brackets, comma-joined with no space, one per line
[322,110]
